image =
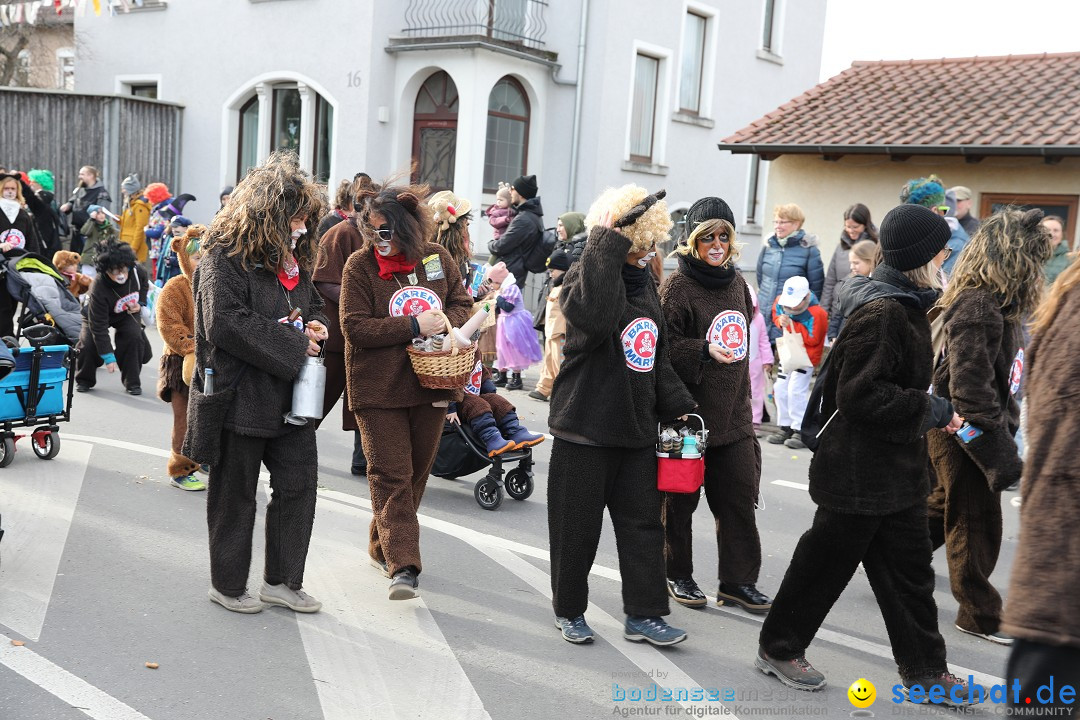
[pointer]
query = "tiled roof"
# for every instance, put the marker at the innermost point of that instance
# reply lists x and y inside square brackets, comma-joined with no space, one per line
[1015,104]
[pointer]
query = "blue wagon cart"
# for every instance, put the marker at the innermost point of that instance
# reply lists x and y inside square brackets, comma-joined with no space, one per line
[33,395]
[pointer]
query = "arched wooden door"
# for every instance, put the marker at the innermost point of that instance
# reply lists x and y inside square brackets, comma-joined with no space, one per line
[435,132]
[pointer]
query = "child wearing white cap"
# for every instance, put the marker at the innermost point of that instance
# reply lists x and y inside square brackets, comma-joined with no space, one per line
[796,310]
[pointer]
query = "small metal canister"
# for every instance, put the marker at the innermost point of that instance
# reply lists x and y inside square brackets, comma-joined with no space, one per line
[308,390]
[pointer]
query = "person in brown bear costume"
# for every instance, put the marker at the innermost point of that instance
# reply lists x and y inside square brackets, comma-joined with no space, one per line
[1043,610]
[996,283]
[175,310]
[258,318]
[615,384]
[708,309]
[392,292]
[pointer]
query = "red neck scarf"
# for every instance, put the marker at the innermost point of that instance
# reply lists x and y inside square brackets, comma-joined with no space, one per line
[289,276]
[393,264]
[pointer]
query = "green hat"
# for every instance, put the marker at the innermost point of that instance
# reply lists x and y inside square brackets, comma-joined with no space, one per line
[44,178]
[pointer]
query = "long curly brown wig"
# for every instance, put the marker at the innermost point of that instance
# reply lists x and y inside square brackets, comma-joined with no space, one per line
[405,212]
[1005,256]
[255,225]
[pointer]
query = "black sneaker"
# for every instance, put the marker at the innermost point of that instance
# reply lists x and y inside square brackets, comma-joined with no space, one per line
[404,584]
[745,596]
[686,592]
[779,438]
[995,637]
[574,630]
[796,673]
[515,382]
[82,387]
[136,390]
[917,690]
[537,395]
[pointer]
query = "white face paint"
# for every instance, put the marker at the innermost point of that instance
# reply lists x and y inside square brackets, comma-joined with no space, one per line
[10,193]
[383,247]
[644,262]
[296,235]
[119,278]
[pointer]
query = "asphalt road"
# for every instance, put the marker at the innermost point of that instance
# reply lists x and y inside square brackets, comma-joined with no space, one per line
[105,569]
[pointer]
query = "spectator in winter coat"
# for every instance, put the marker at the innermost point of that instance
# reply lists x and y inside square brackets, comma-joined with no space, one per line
[116,300]
[98,230]
[18,235]
[41,202]
[930,193]
[788,252]
[89,191]
[135,217]
[168,265]
[996,284]
[862,259]
[1043,609]
[969,222]
[708,308]
[869,476]
[500,214]
[857,226]
[604,453]
[796,310]
[525,229]
[252,281]
[1060,257]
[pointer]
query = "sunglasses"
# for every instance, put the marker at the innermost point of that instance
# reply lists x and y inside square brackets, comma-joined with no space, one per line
[385,233]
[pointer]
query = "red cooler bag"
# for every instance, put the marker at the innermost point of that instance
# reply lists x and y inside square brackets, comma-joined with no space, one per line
[680,473]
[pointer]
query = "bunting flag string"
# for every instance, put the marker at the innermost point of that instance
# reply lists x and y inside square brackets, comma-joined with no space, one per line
[29,11]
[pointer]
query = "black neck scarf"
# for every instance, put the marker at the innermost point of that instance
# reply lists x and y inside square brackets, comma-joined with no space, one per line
[925,298]
[636,279]
[709,277]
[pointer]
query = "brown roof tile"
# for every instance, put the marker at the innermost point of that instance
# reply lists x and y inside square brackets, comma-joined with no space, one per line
[987,102]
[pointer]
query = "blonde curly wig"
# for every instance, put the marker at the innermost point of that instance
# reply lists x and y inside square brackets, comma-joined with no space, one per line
[650,229]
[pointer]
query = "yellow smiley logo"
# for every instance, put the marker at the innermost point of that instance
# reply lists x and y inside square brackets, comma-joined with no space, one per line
[862,693]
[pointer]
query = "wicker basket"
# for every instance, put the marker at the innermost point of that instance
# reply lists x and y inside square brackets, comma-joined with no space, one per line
[489,321]
[444,369]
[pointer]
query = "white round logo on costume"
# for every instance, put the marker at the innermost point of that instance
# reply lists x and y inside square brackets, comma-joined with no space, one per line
[1017,372]
[729,329]
[412,300]
[639,344]
[13,237]
[472,385]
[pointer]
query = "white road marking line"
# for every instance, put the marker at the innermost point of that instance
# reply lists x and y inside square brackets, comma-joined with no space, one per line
[472,537]
[57,681]
[646,657]
[38,499]
[789,484]
[364,650]
[121,444]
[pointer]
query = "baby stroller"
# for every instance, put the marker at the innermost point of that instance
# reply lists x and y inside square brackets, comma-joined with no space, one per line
[32,394]
[460,454]
[43,294]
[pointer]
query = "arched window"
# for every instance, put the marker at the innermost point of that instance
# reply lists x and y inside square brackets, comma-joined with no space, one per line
[506,154]
[275,117]
[435,132]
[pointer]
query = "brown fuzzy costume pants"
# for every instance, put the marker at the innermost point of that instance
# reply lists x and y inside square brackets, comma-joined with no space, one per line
[473,406]
[732,478]
[173,390]
[293,462]
[895,551]
[400,445]
[582,481]
[965,516]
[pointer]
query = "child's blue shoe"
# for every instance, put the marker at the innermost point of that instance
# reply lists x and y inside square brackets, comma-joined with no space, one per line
[511,428]
[488,434]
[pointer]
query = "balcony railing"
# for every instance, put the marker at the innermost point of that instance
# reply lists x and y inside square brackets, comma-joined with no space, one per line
[517,23]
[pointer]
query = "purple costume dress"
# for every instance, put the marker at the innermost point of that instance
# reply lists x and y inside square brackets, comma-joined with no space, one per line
[515,338]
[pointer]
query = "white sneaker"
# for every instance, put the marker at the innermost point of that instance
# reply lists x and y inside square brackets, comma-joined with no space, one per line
[283,595]
[243,604]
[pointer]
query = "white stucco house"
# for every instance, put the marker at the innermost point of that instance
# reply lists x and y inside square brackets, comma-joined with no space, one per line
[583,94]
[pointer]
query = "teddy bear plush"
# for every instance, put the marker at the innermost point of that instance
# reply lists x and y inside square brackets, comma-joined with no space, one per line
[67,263]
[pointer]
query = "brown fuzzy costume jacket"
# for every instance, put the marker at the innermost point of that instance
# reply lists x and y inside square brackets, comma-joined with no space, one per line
[1044,590]
[379,370]
[176,322]
[237,329]
[722,391]
[335,249]
[981,347]
[597,399]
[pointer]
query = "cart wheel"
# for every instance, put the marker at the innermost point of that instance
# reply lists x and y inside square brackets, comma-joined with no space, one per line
[8,453]
[488,494]
[46,444]
[518,484]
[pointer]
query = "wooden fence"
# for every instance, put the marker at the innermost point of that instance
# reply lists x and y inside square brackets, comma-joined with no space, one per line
[62,131]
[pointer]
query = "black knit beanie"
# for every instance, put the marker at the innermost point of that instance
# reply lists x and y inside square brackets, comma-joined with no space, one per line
[707,208]
[559,260]
[526,186]
[911,235]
